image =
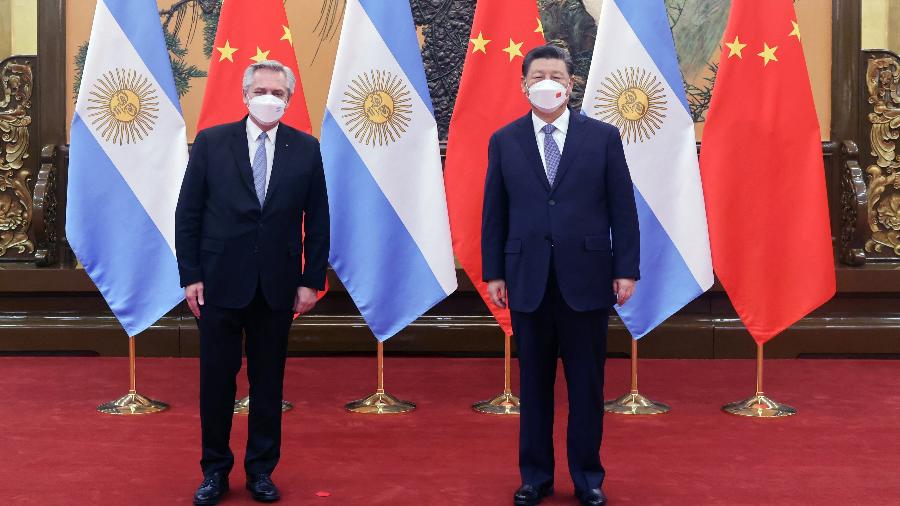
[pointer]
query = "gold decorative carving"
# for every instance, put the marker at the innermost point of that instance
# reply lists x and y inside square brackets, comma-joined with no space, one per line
[16,82]
[883,206]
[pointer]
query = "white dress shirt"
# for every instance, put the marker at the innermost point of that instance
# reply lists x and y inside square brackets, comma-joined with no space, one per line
[559,135]
[253,132]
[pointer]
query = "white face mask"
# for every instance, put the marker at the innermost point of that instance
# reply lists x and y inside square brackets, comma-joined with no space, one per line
[547,95]
[266,109]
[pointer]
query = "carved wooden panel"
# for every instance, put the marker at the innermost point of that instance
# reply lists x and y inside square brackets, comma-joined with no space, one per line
[16,159]
[28,199]
[882,180]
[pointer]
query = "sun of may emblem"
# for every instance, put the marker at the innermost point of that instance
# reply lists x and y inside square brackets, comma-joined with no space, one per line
[634,101]
[123,106]
[377,108]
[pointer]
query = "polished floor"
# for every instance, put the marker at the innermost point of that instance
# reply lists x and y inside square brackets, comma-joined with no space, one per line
[842,448]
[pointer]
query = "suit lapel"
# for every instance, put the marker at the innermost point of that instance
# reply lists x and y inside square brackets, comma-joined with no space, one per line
[279,163]
[528,141]
[241,151]
[574,137]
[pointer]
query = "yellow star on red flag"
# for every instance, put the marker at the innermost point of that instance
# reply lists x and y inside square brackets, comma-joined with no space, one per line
[767,54]
[514,49]
[480,43]
[226,52]
[796,31]
[260,55]
[735,48]
[287,35]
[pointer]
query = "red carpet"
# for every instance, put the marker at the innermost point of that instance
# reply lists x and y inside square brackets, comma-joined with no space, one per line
[842,448]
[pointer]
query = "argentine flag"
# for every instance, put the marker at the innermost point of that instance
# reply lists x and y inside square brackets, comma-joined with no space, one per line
[390,234]
[635,84]
[128,154]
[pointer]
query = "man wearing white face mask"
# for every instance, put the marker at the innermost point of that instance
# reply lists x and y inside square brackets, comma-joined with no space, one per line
[560,246]
[239,243]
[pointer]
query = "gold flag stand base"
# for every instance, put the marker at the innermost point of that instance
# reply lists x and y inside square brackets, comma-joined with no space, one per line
[633,403]
[132,403]
[381,402]
[759,406]
[242,406]
[505,403]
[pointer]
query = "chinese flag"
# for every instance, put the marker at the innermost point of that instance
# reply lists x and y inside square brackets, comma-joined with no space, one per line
[489,97]
[763,176]
[249,31]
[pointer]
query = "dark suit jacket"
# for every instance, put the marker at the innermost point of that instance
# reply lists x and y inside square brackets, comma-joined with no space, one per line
[224,238]
[525,219]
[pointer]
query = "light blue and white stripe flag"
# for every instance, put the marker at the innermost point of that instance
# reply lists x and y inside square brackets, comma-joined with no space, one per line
[127,158]
[635,84]
[390,234]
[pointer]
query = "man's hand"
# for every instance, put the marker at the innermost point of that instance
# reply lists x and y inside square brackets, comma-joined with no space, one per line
[623,288]
[305,299]
[194,295]
[497,291]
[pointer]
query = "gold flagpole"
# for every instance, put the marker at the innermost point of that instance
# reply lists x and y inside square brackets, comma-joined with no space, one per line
[760,405]
[381,402]
[505,403]
[132,403]
[633,403]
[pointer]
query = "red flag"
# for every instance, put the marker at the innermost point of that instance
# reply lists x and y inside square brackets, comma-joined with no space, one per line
[248,32]
[489,97]
[763,175]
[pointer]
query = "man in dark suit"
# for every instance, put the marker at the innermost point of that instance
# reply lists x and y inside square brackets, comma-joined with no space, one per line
[239,241]
[560,245]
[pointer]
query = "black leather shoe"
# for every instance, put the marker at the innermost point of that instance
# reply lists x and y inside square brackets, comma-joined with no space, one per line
[592,497]
[212,489]
[261,488]
[528,495]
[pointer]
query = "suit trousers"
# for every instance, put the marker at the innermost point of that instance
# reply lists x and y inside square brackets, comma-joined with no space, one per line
[554,330]
[221,334]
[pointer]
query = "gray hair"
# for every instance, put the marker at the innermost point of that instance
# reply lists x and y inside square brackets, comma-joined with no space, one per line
[275,65]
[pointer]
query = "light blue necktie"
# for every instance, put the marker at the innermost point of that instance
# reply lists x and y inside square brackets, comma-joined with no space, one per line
[551,152]
[259,168]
